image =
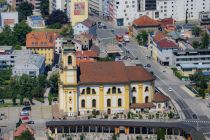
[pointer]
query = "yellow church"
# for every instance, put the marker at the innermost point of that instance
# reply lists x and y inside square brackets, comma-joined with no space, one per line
[107,87]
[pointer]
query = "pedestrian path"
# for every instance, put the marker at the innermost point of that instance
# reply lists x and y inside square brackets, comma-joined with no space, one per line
[196,121]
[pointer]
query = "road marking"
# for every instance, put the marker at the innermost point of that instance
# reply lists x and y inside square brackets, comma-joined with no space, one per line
[197,121]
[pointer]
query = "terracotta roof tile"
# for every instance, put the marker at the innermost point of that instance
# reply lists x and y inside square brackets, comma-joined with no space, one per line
[88,53]
[159,36]
[41,39]
[167,44]
[22,128]
[159,98]
[112,72]
[166,21]
[145,21]
[142,105]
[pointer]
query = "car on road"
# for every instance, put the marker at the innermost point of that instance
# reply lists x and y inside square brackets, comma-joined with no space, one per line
[2,101]
[170,89]
[148,65]
[194,116]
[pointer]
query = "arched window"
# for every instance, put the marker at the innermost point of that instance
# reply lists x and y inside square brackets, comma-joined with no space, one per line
[133,100]
[94,103]
[88,90]
[109,90]
[83,103]
[70,100]
[146,89]
[159,105]
[119,102]
[113,90]
[119,91]
[83,91]
[93,91]
[133,89]
[146,99]
[108,103]
[69,60]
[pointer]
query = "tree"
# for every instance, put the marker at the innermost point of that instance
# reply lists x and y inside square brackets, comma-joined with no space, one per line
[196,31]
[205,40]
[20,32]
[161,134]
[7,37]
[25,136]
[57,16]
[53,82]
[67,31]
[44,7]
[24,10]
[195,44]
[142,38]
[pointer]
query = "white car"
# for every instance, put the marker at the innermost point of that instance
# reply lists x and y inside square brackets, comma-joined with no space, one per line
[170,89]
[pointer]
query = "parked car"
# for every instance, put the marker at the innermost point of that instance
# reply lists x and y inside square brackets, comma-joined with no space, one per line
[148,65]
[170,89]
[26,108]
[2,101]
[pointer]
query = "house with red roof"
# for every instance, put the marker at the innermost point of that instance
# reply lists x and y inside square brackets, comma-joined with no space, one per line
[22,128]
[86,40]
[86,56]
[87,26]
[145,23]
[162,48]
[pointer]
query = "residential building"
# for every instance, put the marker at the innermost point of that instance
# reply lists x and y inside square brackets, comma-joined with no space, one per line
[179,9]
[86,40]
[5,50]
[124,12]
[204,18]
[59,42]
[87,26]
[162,48]
[36,22]
[31,64]
[105,37]
[42,43]
[78,11]
[145,23]
[3,6]
[96,87]
[9,19]
[86,56]
[105,9]
[95,7]
[57,5]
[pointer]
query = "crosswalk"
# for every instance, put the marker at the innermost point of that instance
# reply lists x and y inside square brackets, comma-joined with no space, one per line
[196,121]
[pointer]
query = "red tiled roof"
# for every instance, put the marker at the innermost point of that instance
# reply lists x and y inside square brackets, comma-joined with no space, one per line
[159,36]
[159,98]
[145,21]
[88,53]
[167,44]
[142,105]
[88,23]
[22,128]
[112,72]
[166,21]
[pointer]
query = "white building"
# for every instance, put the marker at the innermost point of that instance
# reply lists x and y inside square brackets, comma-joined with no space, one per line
[63,5]
[9,19]
[59,44]
[123,12]
[95,7]
[179,8]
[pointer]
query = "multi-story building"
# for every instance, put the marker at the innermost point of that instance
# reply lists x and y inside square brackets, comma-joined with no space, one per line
[42,43]
[180,9]
[95,7]
[9,19]
[124,12]
[107,87]
[78,11]
[62,5]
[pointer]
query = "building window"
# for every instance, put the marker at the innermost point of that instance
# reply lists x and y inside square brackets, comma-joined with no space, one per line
[93,91]
[83,91]
[119,102]
[133,89]
[70,108]
[146,89]
[119,91]
[159,105]
[133,100]
[109,90]
[108,103]
[88,90]
[83,103]
[114,90]
[70,100]
[69,60]
[146,99]
[94,103]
